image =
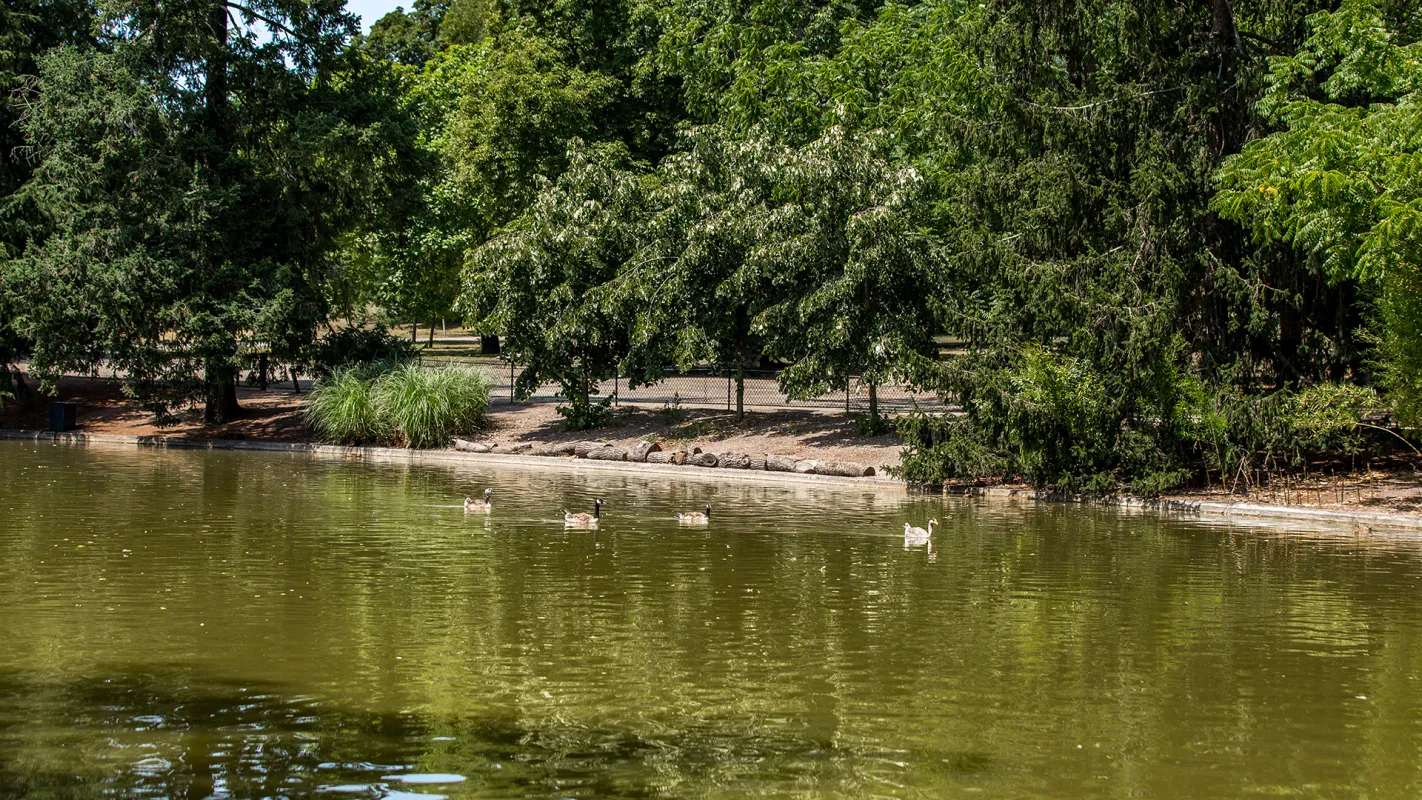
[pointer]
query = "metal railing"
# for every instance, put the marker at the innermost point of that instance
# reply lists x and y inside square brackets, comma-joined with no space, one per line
[709,389]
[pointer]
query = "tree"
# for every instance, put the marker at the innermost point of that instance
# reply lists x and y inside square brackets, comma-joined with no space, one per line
[542,280]
[187,182]
[692,292]
[1338,182]
[848,237]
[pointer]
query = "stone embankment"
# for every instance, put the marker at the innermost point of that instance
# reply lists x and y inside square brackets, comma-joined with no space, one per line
[651,452]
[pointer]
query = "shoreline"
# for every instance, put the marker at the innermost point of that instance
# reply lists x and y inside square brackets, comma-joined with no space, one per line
[1166,507]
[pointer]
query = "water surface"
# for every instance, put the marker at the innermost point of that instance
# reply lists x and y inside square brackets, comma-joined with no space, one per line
[187,624]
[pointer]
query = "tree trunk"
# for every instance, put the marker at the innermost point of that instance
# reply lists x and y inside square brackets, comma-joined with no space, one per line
[489,345]
[740,392]
[431,339]
[221,401]
[874,405]
[414,331]
[295,381]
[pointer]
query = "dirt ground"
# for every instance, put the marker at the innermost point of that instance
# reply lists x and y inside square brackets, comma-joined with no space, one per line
[1391,486]
[276,415]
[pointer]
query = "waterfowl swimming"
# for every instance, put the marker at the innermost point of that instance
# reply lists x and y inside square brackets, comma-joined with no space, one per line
[914,535]
[695,517]
[584,520]
[484,506]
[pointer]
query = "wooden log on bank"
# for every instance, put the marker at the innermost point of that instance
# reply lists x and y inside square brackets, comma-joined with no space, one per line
[779,463]
[581,449]
[466,446]
[845,469]
[511,449]
[704,460]
[555,449]
[757,462]
[639,451]
[807,466]
[734,461]
[677,457]
[608,453]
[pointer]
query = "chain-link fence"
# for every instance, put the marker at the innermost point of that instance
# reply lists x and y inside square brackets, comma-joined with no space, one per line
[707,389]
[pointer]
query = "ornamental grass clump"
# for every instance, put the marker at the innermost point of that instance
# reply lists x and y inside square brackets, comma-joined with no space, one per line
[428,407]
[342,409]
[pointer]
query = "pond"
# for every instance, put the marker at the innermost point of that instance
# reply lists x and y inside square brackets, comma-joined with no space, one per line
[196,624]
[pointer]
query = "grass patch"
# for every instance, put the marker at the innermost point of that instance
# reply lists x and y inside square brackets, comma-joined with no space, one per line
[398,404]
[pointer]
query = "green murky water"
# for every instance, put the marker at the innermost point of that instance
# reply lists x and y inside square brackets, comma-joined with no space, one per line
[195,625]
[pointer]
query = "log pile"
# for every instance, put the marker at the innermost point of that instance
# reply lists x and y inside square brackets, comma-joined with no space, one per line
[652,453]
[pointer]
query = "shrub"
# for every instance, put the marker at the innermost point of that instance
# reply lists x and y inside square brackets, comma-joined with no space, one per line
[342,409]
[360,347]
[428,407]
[586,416]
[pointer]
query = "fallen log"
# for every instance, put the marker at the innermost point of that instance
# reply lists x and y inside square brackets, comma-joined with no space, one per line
[581,449]
[608,453]
[511,449]
[734,461]
[807,466]
[466,446]
[780,463]
[845,469]
[757,463]
[677,457]
[555,449]
[704,460]
[640,451]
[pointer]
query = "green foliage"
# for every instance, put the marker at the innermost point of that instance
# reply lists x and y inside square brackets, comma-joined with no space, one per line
[360,346]
[341,408]
[1339,183]
[428,407]
[541,281]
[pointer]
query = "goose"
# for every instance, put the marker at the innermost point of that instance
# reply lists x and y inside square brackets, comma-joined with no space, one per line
[479,506]
[695,517]
[914,535]
[583,520]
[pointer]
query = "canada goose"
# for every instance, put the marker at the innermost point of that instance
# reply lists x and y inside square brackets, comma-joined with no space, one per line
[584,520]
[695,517]
[479,506]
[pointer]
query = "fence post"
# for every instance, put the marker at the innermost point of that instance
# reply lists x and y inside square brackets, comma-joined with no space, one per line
[511,382]
[846,395]
[728,392]
[616,390]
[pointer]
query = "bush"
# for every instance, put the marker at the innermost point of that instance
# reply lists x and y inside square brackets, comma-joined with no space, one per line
[586,416]
[428,407]
[401,403]
[360,347]
[342,409]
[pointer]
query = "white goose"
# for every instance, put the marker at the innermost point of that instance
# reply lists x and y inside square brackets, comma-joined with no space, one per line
[583,520]
[484,506]
[917,537]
